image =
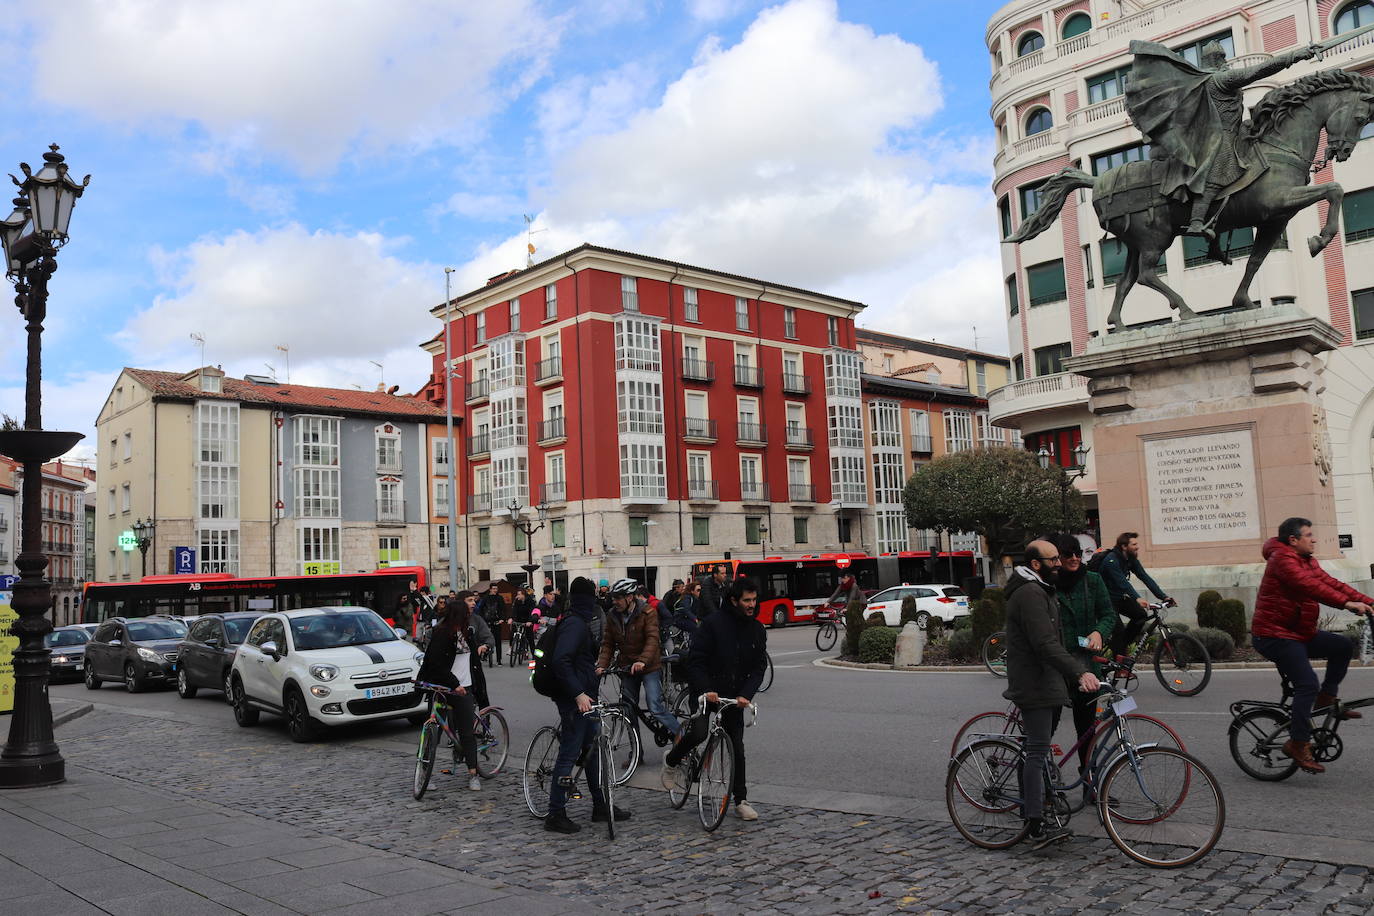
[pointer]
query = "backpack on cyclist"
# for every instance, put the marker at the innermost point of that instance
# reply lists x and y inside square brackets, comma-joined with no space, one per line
[543,678]
[1096,560]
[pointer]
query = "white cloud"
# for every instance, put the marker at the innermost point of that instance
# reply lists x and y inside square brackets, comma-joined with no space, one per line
[313,80]
[69,403]
[338,300]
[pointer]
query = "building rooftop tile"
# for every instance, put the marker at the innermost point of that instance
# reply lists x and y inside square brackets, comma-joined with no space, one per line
[183,386]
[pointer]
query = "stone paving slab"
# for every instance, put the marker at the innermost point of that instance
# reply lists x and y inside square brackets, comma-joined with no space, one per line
[458,851]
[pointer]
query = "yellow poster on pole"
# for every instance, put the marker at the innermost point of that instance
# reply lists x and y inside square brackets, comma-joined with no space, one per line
[8,643]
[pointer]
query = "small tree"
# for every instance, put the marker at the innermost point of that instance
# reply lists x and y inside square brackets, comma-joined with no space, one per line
[853,627]
[909,611]
[999,493]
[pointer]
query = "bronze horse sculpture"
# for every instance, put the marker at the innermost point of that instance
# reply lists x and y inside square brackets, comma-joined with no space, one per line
[1285,127]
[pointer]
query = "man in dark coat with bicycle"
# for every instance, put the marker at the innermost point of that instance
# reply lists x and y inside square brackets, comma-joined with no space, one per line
[574,665]
[729,658]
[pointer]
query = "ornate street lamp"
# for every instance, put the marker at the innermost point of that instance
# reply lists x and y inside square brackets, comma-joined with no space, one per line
[1066,479]
[31,236]
[144,531]
[528,527]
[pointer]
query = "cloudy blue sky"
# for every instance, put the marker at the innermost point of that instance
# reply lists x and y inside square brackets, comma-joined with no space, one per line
[299,173]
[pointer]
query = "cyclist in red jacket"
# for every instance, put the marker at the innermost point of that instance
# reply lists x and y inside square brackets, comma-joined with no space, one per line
[1284,630]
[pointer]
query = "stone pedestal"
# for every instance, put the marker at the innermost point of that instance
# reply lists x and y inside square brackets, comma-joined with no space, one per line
[911,646]
[1206,435]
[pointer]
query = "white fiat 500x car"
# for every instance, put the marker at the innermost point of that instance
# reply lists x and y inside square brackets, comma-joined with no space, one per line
[325,666]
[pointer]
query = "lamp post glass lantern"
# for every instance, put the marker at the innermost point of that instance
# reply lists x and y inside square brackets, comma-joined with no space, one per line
[31,236]
[144,532]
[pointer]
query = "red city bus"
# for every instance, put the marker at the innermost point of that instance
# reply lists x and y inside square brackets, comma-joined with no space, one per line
[191,596]
[792,589]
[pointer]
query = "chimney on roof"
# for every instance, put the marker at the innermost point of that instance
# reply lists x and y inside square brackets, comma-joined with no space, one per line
[393,389]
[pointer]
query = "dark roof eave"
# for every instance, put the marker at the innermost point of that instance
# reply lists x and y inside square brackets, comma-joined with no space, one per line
[885,384]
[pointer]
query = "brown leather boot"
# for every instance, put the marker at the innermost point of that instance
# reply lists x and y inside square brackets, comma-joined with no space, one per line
[1301,752]
[1325,699]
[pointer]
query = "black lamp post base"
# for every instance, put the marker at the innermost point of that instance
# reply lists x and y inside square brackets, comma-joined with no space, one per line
[30,773]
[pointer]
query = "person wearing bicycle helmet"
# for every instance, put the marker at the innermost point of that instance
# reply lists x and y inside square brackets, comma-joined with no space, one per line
[1284,630]
[633,640]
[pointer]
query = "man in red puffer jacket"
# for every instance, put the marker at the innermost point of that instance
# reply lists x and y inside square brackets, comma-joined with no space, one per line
[1284,630]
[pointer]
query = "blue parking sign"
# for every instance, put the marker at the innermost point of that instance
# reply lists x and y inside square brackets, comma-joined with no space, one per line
[185,560]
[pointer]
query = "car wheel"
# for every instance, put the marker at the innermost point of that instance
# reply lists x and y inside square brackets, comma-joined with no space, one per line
[133,681]
[185,689]
[922,620]
[229,686]
[243,714]
[92,682]
[780,617]
[299,724]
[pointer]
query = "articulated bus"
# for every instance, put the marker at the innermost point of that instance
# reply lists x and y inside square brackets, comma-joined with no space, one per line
[792,589]
[191,596]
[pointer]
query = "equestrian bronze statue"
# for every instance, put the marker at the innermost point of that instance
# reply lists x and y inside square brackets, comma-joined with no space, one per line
[1211,171]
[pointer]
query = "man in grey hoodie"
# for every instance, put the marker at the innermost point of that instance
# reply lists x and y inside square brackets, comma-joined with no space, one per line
[1039,670]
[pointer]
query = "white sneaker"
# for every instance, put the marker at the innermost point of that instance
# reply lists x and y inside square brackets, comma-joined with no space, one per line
[745,811]
[668,774]
[475,783]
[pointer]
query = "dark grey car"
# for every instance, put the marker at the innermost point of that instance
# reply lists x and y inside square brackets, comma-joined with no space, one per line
[136,650]
[68,647]
[207,652]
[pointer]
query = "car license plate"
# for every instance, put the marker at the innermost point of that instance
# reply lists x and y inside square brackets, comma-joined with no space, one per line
[390,690]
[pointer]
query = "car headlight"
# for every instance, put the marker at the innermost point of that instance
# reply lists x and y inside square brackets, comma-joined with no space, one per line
[324,672]
[419,658]
[149,654]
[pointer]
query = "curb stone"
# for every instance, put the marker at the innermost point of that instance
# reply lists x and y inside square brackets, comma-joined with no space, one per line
[72,711]
[973,669]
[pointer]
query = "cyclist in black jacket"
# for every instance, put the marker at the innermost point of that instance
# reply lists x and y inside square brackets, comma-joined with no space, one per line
[729,658]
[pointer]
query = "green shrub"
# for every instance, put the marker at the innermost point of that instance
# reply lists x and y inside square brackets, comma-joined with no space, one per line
[1206,604]
[876,619]
[988,615]
[878,644]
[1229,616]
[909,611]
[935,630]
[853,628]
[964,623]
[1219,644]
[962,645]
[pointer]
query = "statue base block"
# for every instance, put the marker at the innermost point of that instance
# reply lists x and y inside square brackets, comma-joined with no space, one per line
[1208,433]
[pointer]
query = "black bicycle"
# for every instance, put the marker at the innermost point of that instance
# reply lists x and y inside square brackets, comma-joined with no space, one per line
[542,755]
[521,645]
[1181,661]
[1259,729]
[709,766]
[827,628]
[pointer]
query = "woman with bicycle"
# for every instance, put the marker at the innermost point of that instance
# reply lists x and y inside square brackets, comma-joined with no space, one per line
[450,661]
[1086,618]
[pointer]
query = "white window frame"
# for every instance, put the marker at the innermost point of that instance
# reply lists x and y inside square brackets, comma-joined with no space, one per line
[885,424]
[515,313]
[317,492]
[845,425]
[439,452]
[958,430]
[691,310]
[637,344]
[390,499]
[832,330]
[320,544]
[698,468]
[387,449]
[316,441]
[442,504]
[551,302]
[741,313]
[126,498]
[480,331]
[789,322]
[629,293]
[128,445]
[639,406]
[218,550]
[643,471]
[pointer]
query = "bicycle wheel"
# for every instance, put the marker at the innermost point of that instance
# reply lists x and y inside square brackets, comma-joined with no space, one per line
[984,725]
[424,758]
[826,636]
[603,750]
[1182,664]
[623,739]
[995,654]
[767,678]
[983,794]
[1143,729]
[493,742]
[714,781]
[1163,809]
[538,773]
[1256,738]
[681,788]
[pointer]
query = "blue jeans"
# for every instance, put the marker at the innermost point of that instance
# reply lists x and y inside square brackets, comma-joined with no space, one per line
[653,698]
[1291,658]
[577,733]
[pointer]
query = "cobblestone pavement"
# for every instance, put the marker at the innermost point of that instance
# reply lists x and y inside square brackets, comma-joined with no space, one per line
[793,860]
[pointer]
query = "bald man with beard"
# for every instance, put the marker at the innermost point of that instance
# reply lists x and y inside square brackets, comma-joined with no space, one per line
[1039,671]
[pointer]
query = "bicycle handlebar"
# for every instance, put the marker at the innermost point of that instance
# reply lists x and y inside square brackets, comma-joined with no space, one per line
[725,704]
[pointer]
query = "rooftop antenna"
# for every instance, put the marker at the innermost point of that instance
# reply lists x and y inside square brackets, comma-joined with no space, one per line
[975,338]
[200,342]
[380,372]
[529,239]
[272,369]
[286,353]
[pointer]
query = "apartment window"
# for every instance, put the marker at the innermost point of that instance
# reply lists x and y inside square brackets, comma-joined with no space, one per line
[388,551]
[796,420]
[507,363]
[484,540]
[1105,162]
[210,383]
[1039,121]
[558,532]
[891,525]
[1114,260]
[1050,360]
[1013,305]
[1357,211]
[110,501]
[701,530]
[847,478]
[642,473]
[128,446]
[217,426]
[388,449]
[114,452]
[319,551]
[390,505]
[510,481]
[441,497]
[126,498]
[508,427]
[885,423]
[629,294]
[1107,85]
[553,348]
[789,323]
[791,369]
[1236,243]
[1004,215]
[1018,367]
[798,473]
[698,470]
[113,564]
[1075,25]
[480,334]
[842,374]
[639,406]
[845,425]
[443,536]
[887,362]
[550,302]
[1045,282]
[1029,43]
[799,530]
[637,345]
[1030,199]
[555,472]
[317,492]
[750,475]
[1088,266]
[218,487]
[690,309]
[1192,53]
[741,313]
[980,374]
[317,441]
[958,430]
[639,530]
[439,449]
[920,431]
[752,529]
[832,331]
[1362,304]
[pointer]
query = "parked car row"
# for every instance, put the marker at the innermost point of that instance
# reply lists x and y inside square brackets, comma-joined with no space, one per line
[314,666]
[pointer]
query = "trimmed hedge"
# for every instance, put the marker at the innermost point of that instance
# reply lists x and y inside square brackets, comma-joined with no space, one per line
[878,644]
[1228,615]
[988,614]
[1219,644]
[876,619]
[1206,603]
[909,611]
[963,646]
[853,628]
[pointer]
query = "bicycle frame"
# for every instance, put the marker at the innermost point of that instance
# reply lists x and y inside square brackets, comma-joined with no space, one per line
[439,715]
[641,713]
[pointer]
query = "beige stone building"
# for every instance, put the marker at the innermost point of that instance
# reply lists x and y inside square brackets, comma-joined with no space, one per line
[260,478]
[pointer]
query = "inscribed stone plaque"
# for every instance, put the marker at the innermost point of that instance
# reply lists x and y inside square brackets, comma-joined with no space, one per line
[1202,488]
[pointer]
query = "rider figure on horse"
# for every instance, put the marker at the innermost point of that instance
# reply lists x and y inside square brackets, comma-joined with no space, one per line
[1192,118]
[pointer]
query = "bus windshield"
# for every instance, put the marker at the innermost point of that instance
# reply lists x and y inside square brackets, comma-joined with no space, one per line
[339,628]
